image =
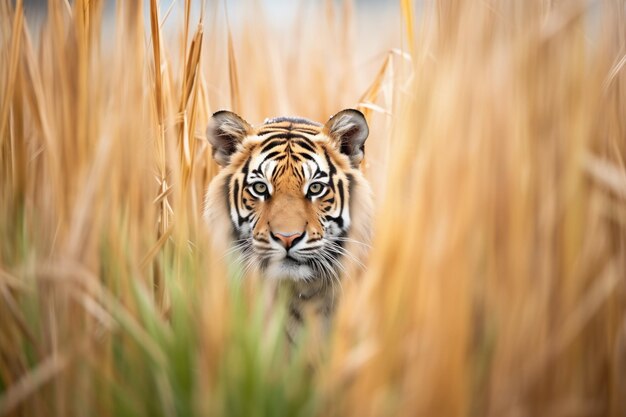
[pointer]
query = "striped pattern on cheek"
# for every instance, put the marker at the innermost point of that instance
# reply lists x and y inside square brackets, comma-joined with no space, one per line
[336,210]
[241,204]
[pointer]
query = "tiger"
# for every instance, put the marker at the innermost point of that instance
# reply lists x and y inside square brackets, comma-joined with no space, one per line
[292,200]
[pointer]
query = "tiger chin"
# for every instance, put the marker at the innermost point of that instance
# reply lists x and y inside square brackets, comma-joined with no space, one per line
[292,202]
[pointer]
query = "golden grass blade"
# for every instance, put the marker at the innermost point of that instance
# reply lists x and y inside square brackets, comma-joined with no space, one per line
[189,114]
[192,66]
[162,195]
[36,95]
[156,50]
[366,107]
[607,175]
[164,222]
[235,98]
[374,89]
[408,14]
[615,70]
[19,163]
[149,257]
[14,58]
[186,29]
[384,83]
[167,13]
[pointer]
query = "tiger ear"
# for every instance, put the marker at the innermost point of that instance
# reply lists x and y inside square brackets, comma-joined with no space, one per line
[348,130]
[225,131]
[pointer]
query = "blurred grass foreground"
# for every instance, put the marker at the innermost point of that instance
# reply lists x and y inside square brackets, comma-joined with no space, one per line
[496,283]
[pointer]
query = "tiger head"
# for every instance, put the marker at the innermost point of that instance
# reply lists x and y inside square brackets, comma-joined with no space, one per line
[290,198]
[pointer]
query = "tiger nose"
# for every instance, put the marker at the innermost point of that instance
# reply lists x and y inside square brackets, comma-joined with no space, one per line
[287,239]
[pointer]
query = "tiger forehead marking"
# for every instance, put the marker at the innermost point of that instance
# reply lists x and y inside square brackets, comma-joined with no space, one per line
[290,199]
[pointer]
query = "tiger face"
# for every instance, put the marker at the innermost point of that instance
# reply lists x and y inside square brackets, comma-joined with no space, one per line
[291,192]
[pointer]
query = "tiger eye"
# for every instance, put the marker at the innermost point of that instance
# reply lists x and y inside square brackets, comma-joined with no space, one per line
[316,188]
[259,187]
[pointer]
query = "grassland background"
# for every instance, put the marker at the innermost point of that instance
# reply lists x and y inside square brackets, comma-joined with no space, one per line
[496,281]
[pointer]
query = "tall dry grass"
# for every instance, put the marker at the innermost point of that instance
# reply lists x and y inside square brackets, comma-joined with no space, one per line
[495,284]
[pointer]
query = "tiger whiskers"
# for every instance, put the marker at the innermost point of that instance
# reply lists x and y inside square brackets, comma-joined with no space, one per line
[250,263]
[238,246]
[325,266]
[350,240]
[246,260]
[333,277]
[345,252]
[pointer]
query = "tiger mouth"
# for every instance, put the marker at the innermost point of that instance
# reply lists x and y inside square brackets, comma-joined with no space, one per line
[291,261]
[290,258]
